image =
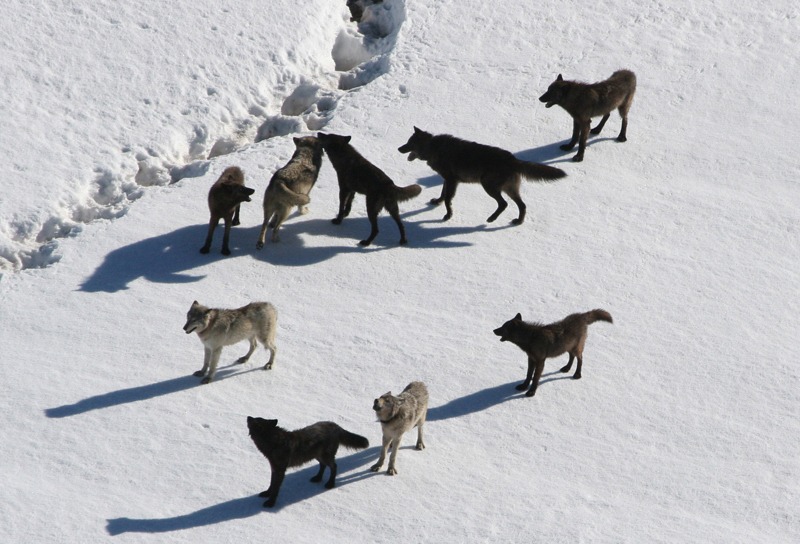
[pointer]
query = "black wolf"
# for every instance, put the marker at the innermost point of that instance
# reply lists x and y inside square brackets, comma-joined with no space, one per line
[224,198]
[284,449]
[357,175]
[586,100]
[457,160]
[544,341]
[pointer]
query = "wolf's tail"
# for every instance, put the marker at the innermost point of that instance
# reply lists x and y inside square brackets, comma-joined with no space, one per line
[295,199]
[408,192]
[353,441]
[599,315]
[539,172]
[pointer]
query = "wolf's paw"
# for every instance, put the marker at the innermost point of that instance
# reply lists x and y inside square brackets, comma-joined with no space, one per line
[364,243]
[303,210]
[336,220]
[517,221]
[435,201]
[199,373]
[269,503]
[241,360]
[375,467]
[391,472]
[267,366]
[530,393]
[403,241]
[265,494]
[622,139]
[420,446]
[522,386]
[226,251]
[577,158]
[447,217]
[259,245]
[204,249]
[317,478]
[330,485]
[566,147]
[576,377]
[205,380]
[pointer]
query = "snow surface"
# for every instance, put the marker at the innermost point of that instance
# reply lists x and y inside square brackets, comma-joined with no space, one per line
[118,117]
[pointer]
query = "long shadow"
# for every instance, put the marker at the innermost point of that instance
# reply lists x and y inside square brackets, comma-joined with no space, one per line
[160,259]
[296,488]
[474,402]
[136,394]
[553,154]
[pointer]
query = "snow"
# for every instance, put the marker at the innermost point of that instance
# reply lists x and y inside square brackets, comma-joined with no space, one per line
[117,119]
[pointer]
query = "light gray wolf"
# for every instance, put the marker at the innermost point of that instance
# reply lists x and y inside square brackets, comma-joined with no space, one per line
[217,328]
[224,198]
[284,449]
[457,160]
[290,186]
[357,175]
[399,415]
[541,342]
[586,100]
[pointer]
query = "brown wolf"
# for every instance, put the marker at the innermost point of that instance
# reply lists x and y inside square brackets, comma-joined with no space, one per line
[357,175]
[399,415]
[497,170]
[290,186]
[586,100]
[544,341]
[284,449]
[224,198]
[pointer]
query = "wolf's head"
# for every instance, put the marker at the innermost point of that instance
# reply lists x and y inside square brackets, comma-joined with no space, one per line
[259,425]
[230,189]
[332,142]
[555,92]
[417,145]
[308,142]
[197,318]
[386,406]
[507,331]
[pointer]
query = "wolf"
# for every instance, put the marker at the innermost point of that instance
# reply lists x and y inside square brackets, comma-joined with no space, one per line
[217,328]
[290,186]
[457,160]
[397,416]
[284,449]
[586,100]
[357,175]
[357,8]
[544,341]
[224,198]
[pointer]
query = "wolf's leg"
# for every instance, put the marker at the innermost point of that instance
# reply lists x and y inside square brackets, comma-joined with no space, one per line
[449,192]
[531,365]
[235,221]
[623,131]
[387,441]
[575,133]
[566,367]
[420,442]
[331,483]
[494,191]
[212,224]
[391,471]
[274,486]
[437,201]
[226,236]
[577,375]
[263,234]
[539,368]
[514,194]
[343,194]
[318,476]
[373,208]
[272,351]
[601,124]
[394,211]
[242,360]
[212,365]
[206,361]
[281,217]
[584,135]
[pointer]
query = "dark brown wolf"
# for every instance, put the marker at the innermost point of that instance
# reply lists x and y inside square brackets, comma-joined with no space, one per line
[224,198]
[586,100]
[284,449]
[290,186]
[457,160]
[541,342]
[357,175]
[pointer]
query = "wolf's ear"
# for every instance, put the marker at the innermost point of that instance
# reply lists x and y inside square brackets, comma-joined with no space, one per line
[347,139]
[416,130]
[518,316]
[296,140]
[272,423]
[559,78]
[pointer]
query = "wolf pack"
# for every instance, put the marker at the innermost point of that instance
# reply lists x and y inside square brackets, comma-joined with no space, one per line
[456,160]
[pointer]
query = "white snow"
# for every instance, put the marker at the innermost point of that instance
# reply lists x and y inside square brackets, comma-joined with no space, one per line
[117,118]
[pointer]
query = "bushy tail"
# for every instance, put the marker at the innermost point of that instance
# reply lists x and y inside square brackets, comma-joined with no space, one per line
[540,172]
[599,315]
[408,192]
[353,441]
[295,199]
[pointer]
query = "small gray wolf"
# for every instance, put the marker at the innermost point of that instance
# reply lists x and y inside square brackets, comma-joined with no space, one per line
[357,175]
[284,449]
[544,341]
[290,186]
[218,328]
[224,198]
[586,100]
[399,415]
[457,160]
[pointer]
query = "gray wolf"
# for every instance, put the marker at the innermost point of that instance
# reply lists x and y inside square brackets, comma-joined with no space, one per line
[290,186]
[357,175]
[284,449]
[218,328]
[224,198]
[457,160]
[399,415]
[541,342]
[586,100]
